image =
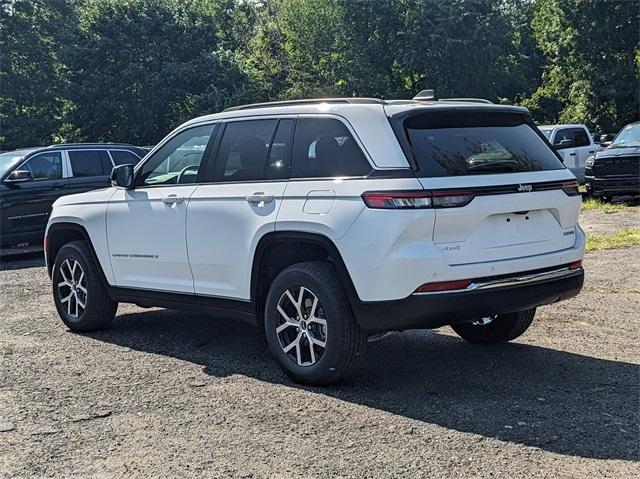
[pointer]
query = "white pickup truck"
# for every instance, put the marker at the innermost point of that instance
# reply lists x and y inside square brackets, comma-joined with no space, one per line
[574,143]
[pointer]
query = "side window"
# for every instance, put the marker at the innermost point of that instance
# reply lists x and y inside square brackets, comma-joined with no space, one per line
[280,151]
[564,135]
[85,163]
[123,157]
[46,166]
[242,155]
[580,137]
[324,148]
[178,160]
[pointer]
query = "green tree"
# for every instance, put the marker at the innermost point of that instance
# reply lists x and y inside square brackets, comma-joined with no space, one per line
[31,75]
[591,75]
[139,68]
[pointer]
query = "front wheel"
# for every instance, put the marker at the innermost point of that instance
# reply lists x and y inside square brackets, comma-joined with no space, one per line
[78,291]
[499,328]
[309,326]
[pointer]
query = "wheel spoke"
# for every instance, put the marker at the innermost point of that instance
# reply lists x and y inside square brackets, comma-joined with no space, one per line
[312,314]
[64,276]
[284,326]
[313,353]
[63,283]
[320,343]
[82,304]
[320,321]
[76,298]
[69,305]
[64,300]
[293,343]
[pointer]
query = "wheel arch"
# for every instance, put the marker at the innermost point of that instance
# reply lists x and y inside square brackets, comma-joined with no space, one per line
[59,234]
[277,250]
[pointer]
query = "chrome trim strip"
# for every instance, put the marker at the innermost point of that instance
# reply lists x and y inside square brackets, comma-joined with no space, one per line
[512,281]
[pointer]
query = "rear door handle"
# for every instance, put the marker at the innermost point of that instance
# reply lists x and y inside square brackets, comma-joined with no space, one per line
[572,154]
[57,186]
[592,151]
[259,198]
[173,200]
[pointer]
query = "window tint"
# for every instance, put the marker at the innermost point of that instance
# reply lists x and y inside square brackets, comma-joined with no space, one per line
[243,150]
[566,134]
[280,152]
[123,157]
[459,144]
[178,160]
[324,148]
[89,163]
[580,137]
[46,166]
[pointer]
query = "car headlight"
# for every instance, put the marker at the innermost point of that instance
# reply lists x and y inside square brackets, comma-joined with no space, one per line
[590,161]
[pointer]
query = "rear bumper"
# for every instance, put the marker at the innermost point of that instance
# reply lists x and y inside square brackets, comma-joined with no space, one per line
[483,298]
[621,185]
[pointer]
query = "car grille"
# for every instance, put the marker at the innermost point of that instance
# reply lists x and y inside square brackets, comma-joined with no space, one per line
[625,165]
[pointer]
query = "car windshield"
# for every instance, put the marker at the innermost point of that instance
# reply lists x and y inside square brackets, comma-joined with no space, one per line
[8,160]
[628,137]
[460,144]
[546,132]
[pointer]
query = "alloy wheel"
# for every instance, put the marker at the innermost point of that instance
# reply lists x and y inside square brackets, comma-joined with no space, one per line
[302,330]
[72,290]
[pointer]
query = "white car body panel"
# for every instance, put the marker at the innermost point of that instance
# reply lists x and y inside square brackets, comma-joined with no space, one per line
[147,245]
[88,210]
[223,230]
[574,158]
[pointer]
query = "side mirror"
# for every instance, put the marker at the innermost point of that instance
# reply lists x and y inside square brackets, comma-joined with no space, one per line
[18,176]
[122,176]
[562,144]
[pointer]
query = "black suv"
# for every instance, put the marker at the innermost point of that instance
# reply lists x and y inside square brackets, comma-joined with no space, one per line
[616,170]
[32,179]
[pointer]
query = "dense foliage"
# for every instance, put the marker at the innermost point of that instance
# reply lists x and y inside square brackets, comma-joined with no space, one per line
[131,70]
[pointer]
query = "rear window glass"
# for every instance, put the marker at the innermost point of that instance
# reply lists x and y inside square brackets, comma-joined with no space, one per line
[463,143]
[123,157]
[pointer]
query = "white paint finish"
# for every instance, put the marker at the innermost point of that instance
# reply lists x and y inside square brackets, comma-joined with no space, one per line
[319,202]
[89,211]
[146,232]
[223,230]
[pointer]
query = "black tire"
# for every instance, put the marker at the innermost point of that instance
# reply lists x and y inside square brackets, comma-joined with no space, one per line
[99,310]
[503,328]
[345,342]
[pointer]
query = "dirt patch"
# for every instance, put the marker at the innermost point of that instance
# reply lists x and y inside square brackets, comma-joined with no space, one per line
[169,394]
[596,221]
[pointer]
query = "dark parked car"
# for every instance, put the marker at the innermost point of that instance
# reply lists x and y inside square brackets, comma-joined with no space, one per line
[615,171]
[32,179]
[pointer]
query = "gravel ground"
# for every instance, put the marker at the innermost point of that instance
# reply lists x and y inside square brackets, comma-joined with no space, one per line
[169,394]
[598,222]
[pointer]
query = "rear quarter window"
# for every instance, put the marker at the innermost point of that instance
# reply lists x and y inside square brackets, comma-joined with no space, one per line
[325,148]
[464,143]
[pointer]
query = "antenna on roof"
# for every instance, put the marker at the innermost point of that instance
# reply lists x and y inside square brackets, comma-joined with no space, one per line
[425,95]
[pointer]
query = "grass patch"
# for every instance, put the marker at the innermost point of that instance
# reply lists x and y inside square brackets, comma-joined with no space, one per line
[608,208]
[620,239]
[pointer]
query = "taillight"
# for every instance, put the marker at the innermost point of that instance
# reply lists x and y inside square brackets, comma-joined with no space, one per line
[576,264]
[570,188]
[397,200]
[417,199]
[444,286]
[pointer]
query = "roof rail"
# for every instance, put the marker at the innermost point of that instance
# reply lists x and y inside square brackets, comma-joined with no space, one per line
[306,102]
[89,143]
[470,100]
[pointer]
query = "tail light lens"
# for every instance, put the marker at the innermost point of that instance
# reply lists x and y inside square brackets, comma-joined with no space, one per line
[570,188]
[394,200]
[575,265]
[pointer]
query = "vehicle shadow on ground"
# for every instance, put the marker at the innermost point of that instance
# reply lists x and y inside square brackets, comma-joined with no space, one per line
[554,400]
[13,261]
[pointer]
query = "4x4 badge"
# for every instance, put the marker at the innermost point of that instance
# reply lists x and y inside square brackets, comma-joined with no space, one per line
[523,188]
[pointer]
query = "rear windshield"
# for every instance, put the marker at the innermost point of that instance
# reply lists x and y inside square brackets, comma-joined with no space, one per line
[465,143]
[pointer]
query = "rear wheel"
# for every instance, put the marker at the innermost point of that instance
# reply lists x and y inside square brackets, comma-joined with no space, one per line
[78,291]
[309,325]
[496,329]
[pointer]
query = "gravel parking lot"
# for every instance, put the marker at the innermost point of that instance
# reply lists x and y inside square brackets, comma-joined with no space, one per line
[169,394]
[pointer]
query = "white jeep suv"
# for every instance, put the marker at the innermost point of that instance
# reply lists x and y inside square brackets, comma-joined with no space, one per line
[328,221]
